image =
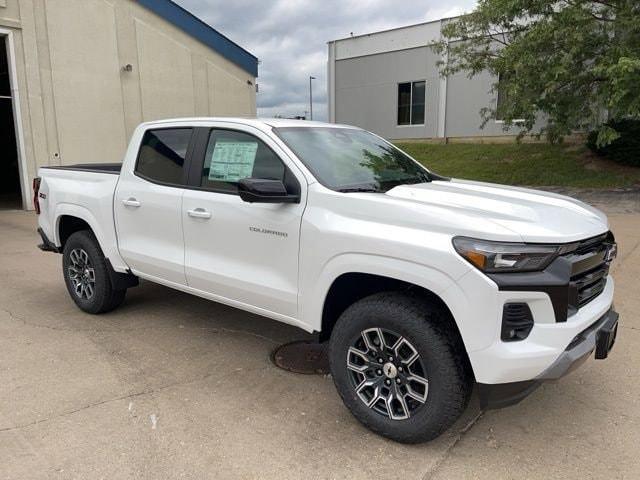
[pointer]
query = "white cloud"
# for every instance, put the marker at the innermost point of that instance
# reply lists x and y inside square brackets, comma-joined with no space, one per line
[290,38]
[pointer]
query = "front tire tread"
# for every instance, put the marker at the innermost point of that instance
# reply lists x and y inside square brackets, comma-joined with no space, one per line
[450,381]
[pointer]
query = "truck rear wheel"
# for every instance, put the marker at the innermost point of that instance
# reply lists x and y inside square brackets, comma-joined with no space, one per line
[86,274]
[398,368]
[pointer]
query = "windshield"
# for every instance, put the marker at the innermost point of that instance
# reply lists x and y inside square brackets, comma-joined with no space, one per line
[350,160]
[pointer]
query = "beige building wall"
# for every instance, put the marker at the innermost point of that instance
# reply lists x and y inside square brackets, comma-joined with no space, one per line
[77,103]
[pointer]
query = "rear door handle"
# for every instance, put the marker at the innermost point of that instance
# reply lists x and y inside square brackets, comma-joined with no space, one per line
[199,213]
[131,202]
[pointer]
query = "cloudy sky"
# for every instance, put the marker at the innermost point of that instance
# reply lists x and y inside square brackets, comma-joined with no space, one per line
[290,38]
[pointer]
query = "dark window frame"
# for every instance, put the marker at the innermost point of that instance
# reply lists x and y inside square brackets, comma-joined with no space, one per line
[502,96]
[187,158]
[202,137]
[411,104]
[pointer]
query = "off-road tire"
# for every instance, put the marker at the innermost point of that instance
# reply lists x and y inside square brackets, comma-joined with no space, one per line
[104,297]
[429,329]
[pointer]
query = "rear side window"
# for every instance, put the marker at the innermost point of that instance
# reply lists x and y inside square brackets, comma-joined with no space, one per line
[232,156]
[162,154]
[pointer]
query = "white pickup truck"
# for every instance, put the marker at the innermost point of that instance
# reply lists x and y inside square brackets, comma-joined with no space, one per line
[424,286]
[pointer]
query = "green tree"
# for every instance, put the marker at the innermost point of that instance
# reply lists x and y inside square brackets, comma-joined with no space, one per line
[575,61]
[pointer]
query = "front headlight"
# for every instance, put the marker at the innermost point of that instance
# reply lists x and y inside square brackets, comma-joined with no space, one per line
[497,257]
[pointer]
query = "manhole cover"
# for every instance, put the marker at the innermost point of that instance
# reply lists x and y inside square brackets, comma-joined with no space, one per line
[303,357]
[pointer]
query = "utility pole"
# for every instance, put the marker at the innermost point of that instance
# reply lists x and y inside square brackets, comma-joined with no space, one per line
[311,98]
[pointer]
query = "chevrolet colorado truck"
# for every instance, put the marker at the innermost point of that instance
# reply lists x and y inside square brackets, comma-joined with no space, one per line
[424,286]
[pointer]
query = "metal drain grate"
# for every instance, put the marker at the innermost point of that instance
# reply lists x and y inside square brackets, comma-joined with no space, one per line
[303,357]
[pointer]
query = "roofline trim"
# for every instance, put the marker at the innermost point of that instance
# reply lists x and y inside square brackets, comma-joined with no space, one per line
[198,29]
[402,27]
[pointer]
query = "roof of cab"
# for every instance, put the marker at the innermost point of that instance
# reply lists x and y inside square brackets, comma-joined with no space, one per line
[260,123]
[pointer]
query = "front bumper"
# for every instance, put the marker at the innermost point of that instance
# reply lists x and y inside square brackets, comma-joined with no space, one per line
[599,337]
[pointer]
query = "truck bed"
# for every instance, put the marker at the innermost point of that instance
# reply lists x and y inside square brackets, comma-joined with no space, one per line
[113,168]
[84,191]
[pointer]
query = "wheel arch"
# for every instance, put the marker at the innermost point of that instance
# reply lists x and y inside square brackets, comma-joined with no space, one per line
[350,287]
[349,277]
[70,218]
[68,225]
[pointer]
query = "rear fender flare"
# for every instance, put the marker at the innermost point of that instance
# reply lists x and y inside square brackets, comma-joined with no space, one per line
[109,247]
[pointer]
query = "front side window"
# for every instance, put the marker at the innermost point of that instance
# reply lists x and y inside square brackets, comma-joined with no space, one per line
[411,101]
[232,156]
[162,155]
[349,159]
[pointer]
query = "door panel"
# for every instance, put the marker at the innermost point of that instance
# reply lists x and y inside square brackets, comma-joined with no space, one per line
[148,205]
[246,252]
[150,234]
[243,252]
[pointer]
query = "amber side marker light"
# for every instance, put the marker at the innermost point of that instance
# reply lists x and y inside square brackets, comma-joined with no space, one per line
[476,258]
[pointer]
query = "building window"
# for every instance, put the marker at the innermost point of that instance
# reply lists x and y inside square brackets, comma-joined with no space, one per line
[411,103]
[501,101]
[502,98]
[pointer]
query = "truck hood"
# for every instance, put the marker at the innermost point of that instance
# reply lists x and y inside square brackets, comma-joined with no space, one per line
[533,215]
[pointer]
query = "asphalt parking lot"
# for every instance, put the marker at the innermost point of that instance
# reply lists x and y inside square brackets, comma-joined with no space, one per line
[172,386]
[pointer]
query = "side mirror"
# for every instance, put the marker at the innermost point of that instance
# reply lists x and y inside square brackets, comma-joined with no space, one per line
[258,190]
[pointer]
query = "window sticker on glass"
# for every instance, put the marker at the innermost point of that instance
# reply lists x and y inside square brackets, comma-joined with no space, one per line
[232,161]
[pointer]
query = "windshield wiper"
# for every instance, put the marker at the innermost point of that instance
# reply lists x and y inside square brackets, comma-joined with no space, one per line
[358,189]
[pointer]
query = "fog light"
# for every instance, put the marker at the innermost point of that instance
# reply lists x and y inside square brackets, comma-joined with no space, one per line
[517,322]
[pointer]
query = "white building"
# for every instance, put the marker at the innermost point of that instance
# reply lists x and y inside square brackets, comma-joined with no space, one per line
[389,82]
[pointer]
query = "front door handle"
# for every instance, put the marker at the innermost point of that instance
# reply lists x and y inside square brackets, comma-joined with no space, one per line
[131,202]
[199,213]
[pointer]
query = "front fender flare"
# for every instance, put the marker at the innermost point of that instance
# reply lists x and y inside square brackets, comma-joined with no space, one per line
[436,281]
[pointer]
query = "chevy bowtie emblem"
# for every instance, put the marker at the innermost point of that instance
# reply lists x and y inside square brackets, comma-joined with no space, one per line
[390,370]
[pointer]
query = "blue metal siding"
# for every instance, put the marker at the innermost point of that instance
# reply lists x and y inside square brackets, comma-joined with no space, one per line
[199,30]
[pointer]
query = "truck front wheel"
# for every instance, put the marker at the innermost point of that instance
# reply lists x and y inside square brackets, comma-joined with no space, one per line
[399,368]
[86,275]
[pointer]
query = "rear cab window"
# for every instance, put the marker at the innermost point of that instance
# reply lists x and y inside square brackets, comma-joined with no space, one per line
[162,155]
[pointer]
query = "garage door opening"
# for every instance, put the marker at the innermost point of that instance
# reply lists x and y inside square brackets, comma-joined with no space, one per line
[10,192]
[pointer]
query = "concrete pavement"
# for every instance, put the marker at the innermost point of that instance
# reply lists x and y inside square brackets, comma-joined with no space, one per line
[172,386]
